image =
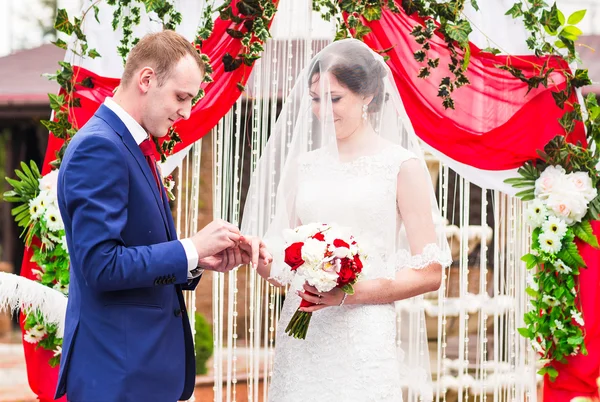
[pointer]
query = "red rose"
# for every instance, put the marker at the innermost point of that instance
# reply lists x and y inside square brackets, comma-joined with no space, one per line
[293,255]
[340,243]
[347,274]
[358,262]
[319,236]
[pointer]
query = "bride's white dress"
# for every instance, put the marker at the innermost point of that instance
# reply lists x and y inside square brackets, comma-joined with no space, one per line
[350,352]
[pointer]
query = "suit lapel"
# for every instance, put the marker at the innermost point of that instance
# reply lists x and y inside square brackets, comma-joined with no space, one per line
[113,120]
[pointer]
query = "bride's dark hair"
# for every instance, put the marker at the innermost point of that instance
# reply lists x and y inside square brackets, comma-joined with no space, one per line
[354,66]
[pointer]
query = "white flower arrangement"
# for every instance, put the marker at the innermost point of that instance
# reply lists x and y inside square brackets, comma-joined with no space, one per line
[39,216]
[558,214]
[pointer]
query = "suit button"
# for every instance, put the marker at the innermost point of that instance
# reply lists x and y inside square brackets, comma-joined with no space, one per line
[177,312]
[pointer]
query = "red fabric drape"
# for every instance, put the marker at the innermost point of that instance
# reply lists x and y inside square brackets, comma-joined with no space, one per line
[578,376]
[221,94]
[496,124]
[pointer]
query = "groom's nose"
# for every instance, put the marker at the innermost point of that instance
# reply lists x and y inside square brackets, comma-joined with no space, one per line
[185,112]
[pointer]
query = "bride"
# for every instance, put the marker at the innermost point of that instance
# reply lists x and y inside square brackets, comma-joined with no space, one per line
[343,152]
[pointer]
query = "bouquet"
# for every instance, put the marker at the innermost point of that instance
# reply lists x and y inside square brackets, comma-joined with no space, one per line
[324,257]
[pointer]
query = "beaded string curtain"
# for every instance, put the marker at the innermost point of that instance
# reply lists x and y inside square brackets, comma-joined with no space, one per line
[471,322]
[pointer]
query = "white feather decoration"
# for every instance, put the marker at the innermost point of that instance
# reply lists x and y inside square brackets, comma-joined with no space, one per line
[17,292]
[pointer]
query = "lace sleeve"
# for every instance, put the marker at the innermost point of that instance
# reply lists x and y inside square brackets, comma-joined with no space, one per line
[280,271]
[432,253]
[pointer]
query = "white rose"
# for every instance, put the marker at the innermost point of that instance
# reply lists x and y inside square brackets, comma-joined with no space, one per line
[291,236]
[49,181]
[551,178]
[342,252]
[313,252]
[322,280]
[583,184]
[309,230]
[567,204]
[336,232]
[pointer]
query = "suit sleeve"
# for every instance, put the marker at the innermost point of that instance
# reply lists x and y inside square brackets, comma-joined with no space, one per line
[95,190]
[192,283]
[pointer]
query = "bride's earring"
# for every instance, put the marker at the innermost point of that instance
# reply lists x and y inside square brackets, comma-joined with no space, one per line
[364,112]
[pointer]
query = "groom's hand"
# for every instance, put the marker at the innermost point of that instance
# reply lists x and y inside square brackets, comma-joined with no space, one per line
[215,238]
[223,261]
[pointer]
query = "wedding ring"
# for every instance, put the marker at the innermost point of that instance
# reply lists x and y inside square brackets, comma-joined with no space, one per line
[320,296]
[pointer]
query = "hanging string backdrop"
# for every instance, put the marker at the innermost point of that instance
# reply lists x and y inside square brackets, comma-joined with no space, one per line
[471,322]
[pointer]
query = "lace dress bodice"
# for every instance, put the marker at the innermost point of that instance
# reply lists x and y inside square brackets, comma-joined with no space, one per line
[350,352]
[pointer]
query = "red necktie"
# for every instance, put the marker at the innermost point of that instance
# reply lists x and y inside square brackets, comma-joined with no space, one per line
[147,147]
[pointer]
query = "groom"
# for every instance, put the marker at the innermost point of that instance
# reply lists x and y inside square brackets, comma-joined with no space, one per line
[127,335]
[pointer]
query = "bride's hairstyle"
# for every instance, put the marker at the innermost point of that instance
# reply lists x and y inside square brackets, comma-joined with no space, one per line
[356,69]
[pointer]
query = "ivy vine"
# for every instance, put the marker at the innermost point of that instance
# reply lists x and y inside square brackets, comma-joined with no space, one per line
[253,17]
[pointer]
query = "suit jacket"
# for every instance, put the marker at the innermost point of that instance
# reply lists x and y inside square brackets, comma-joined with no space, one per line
[127,335]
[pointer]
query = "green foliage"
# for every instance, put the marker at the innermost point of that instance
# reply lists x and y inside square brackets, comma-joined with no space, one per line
[23,190]
[203,343]
[251,30]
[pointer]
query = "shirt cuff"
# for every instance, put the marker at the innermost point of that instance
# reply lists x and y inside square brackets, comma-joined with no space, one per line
[192,257]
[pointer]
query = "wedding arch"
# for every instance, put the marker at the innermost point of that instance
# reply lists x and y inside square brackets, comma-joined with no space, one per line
[496,112]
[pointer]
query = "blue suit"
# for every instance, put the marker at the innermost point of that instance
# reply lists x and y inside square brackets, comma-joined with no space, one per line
[127,334]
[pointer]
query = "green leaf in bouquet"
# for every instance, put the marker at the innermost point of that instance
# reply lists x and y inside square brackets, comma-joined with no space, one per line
[520,182]
[19,209]
[525,333]
[570,255]
[584,231]
[30,320]
[27,181]
[21,215]
[530,260]
[594,208]
[535,235]
[54,361]
[348,289]
[531,292]
[526,195]
[31,170]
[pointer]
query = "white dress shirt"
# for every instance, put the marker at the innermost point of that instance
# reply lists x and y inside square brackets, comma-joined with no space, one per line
[139,134]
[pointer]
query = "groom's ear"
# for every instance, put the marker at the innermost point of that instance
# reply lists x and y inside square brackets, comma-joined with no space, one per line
[145,76]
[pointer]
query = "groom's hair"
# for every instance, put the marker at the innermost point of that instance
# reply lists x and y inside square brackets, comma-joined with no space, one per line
[161,51]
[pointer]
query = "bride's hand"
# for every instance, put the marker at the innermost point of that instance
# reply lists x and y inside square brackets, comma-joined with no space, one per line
[255,251]
[321,299]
